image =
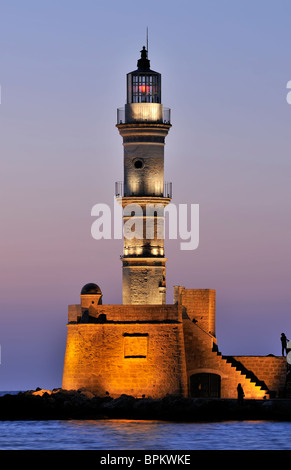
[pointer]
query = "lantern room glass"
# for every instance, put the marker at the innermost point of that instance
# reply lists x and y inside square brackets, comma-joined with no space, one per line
[144,88]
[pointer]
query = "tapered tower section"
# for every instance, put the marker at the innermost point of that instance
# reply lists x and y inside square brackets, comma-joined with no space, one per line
[143,125]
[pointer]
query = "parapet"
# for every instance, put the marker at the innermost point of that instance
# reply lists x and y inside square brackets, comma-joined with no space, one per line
[127,313]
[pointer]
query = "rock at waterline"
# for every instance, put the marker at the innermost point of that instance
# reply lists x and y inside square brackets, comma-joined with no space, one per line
[83,404]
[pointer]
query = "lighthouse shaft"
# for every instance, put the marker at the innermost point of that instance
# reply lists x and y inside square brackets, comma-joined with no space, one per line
[143,128]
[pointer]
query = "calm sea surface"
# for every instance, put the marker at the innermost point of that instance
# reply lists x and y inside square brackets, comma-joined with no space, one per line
[144,435]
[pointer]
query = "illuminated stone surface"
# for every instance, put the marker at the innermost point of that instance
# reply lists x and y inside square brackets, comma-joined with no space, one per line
[145,347]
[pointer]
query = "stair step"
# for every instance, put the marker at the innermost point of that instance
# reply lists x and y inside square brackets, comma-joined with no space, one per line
[248,374]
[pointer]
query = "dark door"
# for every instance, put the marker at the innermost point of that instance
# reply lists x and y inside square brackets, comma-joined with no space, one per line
[205,385]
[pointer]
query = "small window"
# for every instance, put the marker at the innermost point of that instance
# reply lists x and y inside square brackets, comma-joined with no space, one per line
[135,345]
[138,164]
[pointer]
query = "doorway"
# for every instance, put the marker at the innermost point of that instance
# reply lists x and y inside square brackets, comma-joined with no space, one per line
[205,385]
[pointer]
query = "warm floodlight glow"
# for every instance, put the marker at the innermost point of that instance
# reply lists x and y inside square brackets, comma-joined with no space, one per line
[143,112]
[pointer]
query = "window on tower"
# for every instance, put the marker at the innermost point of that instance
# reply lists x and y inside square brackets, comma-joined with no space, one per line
[138,163]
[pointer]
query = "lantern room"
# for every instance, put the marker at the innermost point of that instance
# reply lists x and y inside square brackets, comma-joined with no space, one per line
[144,91]
[143,85]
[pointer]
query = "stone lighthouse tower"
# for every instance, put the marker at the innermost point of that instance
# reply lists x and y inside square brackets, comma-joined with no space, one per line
[143,125]
[145,347]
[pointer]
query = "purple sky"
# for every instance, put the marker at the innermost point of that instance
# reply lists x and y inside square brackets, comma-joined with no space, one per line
[224,66]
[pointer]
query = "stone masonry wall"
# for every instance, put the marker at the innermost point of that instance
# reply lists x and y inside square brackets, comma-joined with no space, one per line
[200,306]
[271,369]
[150,180]
[141,285]
[200,358]
[148,313]
[134,358]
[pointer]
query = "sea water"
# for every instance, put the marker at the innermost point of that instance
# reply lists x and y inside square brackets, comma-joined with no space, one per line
[143,435]
[120,434]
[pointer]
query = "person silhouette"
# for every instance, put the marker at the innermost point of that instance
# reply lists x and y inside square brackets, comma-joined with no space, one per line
[284,341]
[240,394]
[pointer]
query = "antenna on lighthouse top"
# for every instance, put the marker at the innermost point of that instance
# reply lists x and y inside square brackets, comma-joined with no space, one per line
[147,39]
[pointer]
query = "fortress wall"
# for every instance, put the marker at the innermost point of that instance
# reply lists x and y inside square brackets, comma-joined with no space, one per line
[200,358]
[270,369]
[198,347]
[74,312]
[138,359]
[200,305]
[132,312]
[150,350]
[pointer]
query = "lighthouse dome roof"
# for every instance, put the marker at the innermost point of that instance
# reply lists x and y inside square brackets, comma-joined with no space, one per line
[90,289]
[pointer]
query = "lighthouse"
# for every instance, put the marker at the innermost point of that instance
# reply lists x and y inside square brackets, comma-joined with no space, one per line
[146,347]
[143,124]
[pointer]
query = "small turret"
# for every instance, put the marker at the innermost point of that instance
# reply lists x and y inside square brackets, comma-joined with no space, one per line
[90,296]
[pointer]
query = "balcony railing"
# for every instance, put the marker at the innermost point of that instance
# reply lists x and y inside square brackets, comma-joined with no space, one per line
[168,189]
[167,192]
[120,116]
[166,119]
[167,115]
[119,189]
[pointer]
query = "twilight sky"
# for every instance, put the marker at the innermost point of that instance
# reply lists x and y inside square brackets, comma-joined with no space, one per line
[224,66]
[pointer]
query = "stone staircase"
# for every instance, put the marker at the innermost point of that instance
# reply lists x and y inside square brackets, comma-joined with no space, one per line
[203,355]
[253,387]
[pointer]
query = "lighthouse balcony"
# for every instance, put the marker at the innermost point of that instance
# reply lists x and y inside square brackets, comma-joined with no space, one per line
[166,191]
[145,251]
[152,113]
